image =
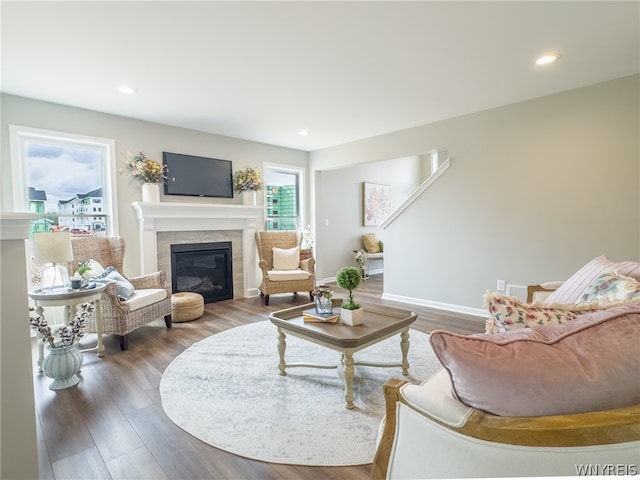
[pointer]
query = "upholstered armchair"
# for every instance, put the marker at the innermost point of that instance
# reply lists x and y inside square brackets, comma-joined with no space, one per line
[539,293]
[150,300]
[282,269]
[554,396]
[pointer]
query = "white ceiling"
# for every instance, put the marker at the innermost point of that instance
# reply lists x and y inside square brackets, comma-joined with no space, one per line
[264,70]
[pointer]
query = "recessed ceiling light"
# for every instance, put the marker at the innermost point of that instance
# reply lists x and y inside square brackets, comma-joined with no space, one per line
[127,90]
[303,132]
[547,58]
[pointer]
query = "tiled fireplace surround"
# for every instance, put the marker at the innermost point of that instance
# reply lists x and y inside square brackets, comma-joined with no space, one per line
[163,224]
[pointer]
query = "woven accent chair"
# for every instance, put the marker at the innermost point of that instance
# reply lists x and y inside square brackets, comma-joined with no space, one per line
[120,317]
[302,279]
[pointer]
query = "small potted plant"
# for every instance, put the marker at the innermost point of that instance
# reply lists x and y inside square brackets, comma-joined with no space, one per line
[79,278]
[351,312]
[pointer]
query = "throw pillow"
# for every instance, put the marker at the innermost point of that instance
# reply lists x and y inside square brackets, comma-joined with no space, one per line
[586,365]
[371,243]
[95,270]
[572,290]
[509,313]
[611,287]
[286,258]
[124,288]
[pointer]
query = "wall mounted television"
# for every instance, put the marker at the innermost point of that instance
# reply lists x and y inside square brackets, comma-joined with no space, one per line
[197,176]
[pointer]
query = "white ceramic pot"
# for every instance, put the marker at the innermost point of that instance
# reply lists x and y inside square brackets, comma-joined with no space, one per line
[249,197]
[351,317]
[151,192]
[62,365]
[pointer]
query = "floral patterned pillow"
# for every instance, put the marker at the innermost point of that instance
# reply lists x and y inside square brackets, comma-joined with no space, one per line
[611,287]
[509,313]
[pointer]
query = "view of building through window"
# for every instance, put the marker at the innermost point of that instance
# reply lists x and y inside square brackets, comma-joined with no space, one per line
[282,200]
[66,187]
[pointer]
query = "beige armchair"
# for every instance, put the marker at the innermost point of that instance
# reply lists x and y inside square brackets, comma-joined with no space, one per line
[151,299]
[539,293]
[298,276]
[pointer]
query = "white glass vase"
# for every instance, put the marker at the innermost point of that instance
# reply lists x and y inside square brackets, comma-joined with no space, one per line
[151,192]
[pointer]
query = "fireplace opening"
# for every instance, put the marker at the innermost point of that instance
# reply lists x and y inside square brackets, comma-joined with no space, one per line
[204,268]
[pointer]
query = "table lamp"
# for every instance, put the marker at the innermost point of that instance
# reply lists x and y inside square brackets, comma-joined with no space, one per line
[53,249]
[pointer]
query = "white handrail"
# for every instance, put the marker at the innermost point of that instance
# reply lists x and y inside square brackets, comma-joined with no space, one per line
[396,213]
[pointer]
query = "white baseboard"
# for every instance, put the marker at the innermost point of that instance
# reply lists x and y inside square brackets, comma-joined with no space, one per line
[253,292]
[478,312]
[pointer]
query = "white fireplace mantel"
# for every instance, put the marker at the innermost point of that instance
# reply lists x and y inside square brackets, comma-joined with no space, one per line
[179,217]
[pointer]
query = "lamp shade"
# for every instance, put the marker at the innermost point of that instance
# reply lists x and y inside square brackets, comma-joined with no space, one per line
[52,247]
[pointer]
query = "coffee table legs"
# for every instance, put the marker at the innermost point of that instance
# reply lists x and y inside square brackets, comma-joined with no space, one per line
[348,372]
[404,346]
[346,369]
[282,346]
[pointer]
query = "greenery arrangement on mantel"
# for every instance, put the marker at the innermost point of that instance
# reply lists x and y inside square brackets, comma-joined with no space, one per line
[248,179]
[144,169]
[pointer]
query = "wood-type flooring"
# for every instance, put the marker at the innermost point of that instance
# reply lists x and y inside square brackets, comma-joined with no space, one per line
[112,425]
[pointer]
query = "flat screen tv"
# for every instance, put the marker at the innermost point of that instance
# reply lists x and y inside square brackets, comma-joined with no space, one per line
[197,176]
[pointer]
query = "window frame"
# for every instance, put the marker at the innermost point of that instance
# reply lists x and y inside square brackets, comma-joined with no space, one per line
[291,170]
[20,135]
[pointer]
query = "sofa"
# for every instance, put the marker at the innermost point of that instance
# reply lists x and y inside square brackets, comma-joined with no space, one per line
[552,388]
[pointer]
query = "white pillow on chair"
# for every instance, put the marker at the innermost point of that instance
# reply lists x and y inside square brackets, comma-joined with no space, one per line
[286,258]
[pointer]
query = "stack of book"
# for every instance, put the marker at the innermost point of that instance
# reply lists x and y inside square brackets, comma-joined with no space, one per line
[313,316]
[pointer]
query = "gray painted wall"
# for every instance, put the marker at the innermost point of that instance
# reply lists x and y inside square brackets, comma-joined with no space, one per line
[339,208]
[535,190]
[132,135]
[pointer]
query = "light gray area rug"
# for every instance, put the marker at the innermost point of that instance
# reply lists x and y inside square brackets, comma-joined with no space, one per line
[226,390]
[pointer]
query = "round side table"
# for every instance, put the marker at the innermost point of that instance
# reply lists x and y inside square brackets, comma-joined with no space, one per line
[70,298]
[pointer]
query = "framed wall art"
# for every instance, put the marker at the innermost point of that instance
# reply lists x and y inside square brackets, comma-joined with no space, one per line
[375,203]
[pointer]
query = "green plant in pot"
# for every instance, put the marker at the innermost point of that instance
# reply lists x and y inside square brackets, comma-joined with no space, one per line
[351,312]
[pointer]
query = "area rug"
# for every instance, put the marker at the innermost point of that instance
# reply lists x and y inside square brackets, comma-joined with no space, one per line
[226,390]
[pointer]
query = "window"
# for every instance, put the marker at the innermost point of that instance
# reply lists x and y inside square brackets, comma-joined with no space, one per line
[284,197]
[67,180]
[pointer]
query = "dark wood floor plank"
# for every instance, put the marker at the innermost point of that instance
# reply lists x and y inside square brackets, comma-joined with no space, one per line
[82,466]
[109,427]
[138,464]
[183,456]
[112,425]
[65,432]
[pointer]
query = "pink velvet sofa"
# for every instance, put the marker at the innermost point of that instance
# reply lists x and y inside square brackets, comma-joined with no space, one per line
[559,399]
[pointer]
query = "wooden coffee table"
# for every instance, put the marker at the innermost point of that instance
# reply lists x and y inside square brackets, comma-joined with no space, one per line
[379,324]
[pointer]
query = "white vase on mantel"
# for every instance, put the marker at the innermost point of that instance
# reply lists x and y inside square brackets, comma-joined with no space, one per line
[151,192]
[249,197]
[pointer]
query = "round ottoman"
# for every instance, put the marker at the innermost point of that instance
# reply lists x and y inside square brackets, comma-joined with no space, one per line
[186,306]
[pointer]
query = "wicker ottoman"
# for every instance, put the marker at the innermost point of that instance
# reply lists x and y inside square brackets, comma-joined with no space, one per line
[186,306]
